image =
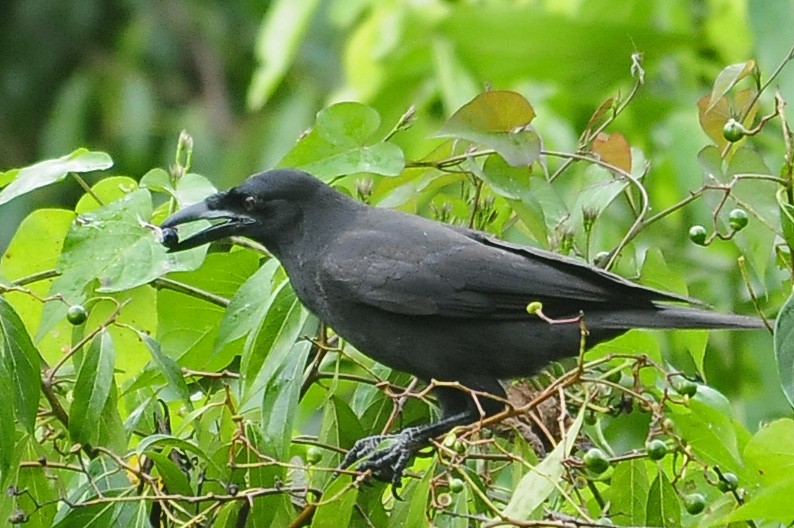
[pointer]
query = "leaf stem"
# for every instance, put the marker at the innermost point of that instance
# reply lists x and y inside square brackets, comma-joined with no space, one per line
[89,191]
[170,284]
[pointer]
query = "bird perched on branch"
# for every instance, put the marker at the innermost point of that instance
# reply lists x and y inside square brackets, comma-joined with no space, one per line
[440,302]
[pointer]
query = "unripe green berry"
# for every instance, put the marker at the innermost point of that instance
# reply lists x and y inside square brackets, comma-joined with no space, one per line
[456,485]
[656,449]
[695,503]
[596,460]
[314,455]
[76,314]
[697,234]
[737,219]
[732,131]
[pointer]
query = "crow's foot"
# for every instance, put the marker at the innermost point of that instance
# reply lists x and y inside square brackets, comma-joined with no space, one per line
[388,463]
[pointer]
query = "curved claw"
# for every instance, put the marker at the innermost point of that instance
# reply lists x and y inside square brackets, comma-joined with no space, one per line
[387,464]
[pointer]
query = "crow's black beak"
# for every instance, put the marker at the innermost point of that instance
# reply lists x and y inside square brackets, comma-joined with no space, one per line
[233,225]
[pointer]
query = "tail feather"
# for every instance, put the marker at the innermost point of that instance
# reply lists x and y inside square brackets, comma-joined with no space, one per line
[670,316]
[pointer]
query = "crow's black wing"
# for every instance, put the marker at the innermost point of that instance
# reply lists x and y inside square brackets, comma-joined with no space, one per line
[435,270]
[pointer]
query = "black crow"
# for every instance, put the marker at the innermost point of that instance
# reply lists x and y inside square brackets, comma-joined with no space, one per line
[440,302]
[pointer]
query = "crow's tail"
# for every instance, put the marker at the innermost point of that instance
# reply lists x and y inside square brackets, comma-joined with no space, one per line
[669,316]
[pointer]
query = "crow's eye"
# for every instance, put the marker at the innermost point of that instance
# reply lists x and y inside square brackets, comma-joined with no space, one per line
[249,203]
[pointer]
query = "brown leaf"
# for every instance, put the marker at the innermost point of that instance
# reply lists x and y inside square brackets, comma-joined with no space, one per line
[613,149]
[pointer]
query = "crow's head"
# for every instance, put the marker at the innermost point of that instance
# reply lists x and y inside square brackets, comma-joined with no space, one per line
[266,207]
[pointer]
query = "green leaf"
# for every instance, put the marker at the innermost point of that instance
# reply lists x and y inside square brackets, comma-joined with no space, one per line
[770,452]
[247,307]
[264,508]
[92,389]
[54,170]
[169,368]
[716,444]
[664,507]
[455,516]
[629,489]
[340,144]
[280,397]
[784,347]
[331,514]
[21,361]
[98,515]
[35,248]
[107,190]
[188,325]
[728,78]
[275,336]
[190,188]
[340,427]
[7,424]
[412,511]
[657,274]
[747,160]
[710,161]
[43,496]
[111,245]
[542,480]
[600,189]
[770,503]
[499,120]
[8,176]
[173,477]
[506,180]
[163,442]
[533,217]
[282,30]
[786,217]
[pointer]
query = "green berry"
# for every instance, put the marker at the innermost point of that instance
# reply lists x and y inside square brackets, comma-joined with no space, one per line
[695,503]
[456,485]
[728,482]
[732,131]
[656,449]
[697,234]
[314,455]
[737,219]
[684,386]
[76,314]
[596,461]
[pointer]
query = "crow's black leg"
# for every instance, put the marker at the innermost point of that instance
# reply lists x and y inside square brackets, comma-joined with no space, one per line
[388,462]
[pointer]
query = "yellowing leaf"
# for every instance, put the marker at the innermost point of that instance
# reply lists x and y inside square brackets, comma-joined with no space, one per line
[495,111]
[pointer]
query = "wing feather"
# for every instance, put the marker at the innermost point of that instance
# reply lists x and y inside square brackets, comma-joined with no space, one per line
[452,272]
